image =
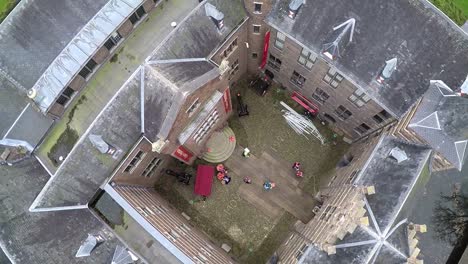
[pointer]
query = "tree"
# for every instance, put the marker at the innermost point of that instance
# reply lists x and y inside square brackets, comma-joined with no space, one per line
[450,217]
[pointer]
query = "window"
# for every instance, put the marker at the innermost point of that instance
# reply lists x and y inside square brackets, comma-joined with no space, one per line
[256,29]
[193,107]
[333,77]
[88,68]
[352,176]
[381,116]
[206,126]
[363,128]
[66,95]
[135,161]
[307,59]
[234,69]
[301,251]
[230,49]
[326,215]
[257,8]
[320,96]
[254,55]
[274,63]
[343,113]
[137,15]
[359,98]
[297,79]
[152,166]
[112,41]
[280,39]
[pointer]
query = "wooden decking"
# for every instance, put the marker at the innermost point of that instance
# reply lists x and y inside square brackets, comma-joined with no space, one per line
[287,196]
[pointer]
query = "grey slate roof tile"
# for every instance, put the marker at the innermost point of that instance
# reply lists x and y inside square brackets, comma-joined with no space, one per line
[428,46]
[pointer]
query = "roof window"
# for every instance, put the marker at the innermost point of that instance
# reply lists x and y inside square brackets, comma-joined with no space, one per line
[390,67]
[398,154]
[294,6]
[216,15]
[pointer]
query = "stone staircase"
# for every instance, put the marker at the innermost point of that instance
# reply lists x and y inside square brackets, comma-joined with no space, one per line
[219,145]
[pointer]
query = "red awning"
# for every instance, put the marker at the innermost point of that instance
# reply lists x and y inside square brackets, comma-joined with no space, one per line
[265,49]
[204,180]
[304,102]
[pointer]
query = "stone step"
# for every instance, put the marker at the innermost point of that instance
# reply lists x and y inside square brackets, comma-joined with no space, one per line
[220,145]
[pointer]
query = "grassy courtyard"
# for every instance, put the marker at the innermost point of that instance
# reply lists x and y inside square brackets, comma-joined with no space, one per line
[457,10]
[5,8]
[229,218]
[266,130]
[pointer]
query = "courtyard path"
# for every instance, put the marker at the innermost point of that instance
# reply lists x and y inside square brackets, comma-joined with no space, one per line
[286,196]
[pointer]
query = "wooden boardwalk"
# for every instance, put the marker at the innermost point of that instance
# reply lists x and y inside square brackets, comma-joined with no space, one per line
[287,196]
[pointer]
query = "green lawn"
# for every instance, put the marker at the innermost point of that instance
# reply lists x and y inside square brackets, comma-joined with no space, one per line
[5,8]
[457,10]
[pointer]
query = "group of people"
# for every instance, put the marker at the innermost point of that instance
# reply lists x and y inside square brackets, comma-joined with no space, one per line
[223,174]
[297,168]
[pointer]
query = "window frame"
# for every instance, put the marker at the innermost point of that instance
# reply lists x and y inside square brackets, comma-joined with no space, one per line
[135,161]
[193,107]
[281,40]
[255,7]
[274,62]
[319,95]
[254,55]
[259,29]
[333,77]
[358,129]
[234,69]
[151,167]
[229,49]
[295,79]
[343,113]
[65,96]
[89,68]
[307,57]
[136,17]
[359,98]
[381,117]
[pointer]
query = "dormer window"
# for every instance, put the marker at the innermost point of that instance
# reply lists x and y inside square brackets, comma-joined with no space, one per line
[390,67]
[294,7]
[216,15]
[398,154]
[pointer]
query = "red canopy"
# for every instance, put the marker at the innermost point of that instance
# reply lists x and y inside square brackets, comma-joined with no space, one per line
[266,45]
[204,180]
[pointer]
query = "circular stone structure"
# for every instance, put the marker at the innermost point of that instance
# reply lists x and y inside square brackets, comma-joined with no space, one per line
[220,146]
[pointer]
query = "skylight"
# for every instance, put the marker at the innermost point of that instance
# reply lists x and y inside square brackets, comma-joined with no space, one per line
[216,15]
[294,6]
[398,154]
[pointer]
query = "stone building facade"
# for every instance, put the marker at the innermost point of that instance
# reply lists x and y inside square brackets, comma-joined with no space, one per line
[346,108]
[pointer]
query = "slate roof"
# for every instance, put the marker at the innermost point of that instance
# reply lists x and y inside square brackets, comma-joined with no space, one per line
[51,41]
[18,120]
[85,168]
[164,87]
[197,36]
[393,183]
[35,33]
[427,44]
[442,120]
[163,105]
[48,238]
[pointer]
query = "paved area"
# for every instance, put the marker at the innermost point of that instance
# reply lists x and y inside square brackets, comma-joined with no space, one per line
[285,196]
[113,74]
